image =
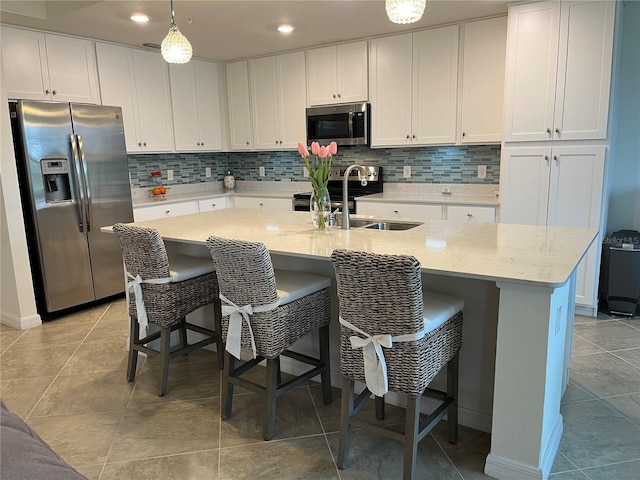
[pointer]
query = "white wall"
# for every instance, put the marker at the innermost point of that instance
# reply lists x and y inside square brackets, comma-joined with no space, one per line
[624,189]
[17,302]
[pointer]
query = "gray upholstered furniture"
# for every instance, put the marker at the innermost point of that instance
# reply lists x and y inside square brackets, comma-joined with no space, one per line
[25,456]
[163,293]
[393,341]
[266,312]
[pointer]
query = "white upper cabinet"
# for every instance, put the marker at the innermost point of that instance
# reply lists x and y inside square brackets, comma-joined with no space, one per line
[414,83]
[239,106]
[278,93]
[338,74]
[196,106]
[138,82]
[482,99]
[39,66]
[558,70]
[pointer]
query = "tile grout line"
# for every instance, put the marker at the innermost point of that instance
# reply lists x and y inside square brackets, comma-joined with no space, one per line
[445,454]
[324,433]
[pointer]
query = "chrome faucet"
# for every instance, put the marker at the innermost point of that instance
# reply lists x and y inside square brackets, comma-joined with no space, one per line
[346,224]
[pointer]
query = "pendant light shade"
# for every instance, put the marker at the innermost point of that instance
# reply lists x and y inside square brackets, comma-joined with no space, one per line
[175,47]
[405,11]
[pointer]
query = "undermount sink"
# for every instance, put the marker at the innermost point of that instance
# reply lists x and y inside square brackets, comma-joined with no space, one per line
[393,225]
[374,224]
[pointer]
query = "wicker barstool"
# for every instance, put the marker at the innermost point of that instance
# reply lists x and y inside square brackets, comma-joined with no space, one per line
[381,305]
[266,311]
[163,294]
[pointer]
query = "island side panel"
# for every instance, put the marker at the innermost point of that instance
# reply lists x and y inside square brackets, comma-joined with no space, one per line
[530,364]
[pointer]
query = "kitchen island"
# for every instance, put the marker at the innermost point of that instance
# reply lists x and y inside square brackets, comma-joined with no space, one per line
[517,282]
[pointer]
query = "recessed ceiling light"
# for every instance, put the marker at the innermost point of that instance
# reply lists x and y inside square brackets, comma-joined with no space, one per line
[285,28]
[140,18]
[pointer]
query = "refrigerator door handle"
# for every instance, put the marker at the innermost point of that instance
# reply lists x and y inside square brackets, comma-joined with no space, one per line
[85,176]
[79,191]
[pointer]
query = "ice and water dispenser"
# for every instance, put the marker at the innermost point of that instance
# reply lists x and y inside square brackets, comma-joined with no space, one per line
[55,173]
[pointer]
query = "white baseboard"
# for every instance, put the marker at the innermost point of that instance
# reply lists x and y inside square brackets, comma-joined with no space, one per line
[586,311]
[20,323]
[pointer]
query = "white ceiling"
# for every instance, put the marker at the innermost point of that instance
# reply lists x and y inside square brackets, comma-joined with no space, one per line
[225,30]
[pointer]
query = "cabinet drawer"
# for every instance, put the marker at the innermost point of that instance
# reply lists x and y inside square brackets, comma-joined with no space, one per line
[400,210]
[262,202]
[216,203]
[461,213]
[162,211]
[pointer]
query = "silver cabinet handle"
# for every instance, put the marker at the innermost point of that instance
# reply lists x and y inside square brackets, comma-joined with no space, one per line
[261,204]
[339,96]
[144,144]
[469,215]
[334,95]
[213,205]
[139,144]
[47,91]
[464,134]
[396,211]
[408,137]
[546,158]
[202,144]
[557,131]
[555,157]
[54,92]
[413,136]
[548,131]
[167,212]
[247,142]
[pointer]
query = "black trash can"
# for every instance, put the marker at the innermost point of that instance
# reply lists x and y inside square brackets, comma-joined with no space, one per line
[620,273]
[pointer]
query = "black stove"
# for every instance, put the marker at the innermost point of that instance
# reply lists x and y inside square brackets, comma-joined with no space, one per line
[301,201]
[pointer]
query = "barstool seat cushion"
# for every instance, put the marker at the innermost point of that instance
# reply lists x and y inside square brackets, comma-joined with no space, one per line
[438,308]
[185,267]
[292,286]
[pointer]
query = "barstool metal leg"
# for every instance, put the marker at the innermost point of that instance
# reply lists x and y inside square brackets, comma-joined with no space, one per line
[270,394]
[379,407]
[134,339]
[452,392]
[412,425]
[183,332]
[165,346]
[325,376]
[346,412]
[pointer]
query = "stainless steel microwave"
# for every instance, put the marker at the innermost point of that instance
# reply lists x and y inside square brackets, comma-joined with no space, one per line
[346,124]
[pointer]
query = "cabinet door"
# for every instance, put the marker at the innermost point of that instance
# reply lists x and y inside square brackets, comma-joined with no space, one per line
[264,96]
[575,200]
[322,85]
[117,87]
[239,106]
[524,185]
[184,106]
[435,86]
[391,65]
[73,75]
[208,105]
[584,70]
[291,99]
[352,72]
[467,213]
[24,59]
[154,104]
[482,113]
[267,203]
[532,54]
[196,106]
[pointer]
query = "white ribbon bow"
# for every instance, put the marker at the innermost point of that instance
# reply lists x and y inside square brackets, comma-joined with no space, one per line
[375,366]
[135,286]
[238,314]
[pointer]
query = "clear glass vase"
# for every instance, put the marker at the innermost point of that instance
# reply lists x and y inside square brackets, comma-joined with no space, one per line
[320,209]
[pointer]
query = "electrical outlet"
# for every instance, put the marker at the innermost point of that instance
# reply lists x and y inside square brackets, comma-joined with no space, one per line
[207,172]
[406,171]
[261,170]
[169,175]
[305,172]
[482,171]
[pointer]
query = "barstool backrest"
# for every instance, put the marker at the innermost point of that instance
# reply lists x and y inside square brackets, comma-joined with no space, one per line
[379,294]
[143,251]
[244,269]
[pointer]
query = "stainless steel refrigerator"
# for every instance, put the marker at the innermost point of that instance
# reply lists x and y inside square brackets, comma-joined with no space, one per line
[74,179]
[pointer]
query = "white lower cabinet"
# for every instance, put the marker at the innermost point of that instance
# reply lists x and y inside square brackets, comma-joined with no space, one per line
[216,203]
[154,212]
[464,213]
[559,186]
[262,202]
[400,210]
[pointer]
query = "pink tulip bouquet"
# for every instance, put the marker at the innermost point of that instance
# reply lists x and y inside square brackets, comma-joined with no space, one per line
[319,170]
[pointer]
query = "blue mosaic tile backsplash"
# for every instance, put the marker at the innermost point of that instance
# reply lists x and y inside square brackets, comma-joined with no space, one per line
[442,164]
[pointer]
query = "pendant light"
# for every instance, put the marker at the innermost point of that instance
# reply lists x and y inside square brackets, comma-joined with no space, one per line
[175,47]
[405,11]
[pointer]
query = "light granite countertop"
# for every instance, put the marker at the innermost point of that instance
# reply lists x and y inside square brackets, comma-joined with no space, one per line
[531,255]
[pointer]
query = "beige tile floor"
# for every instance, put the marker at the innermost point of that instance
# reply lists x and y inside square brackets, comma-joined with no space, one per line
[67,379]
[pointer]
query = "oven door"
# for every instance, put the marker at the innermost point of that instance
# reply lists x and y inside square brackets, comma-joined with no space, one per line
[301,202]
